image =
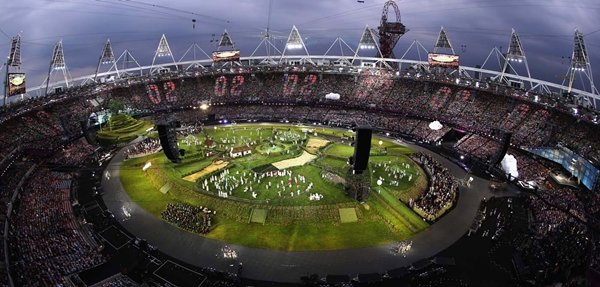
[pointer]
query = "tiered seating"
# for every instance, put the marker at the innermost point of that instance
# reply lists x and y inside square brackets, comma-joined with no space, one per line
[479,147]
[46,236]
[442,192]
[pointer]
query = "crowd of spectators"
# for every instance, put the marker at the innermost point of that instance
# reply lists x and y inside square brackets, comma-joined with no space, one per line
[534,131]
[388,101]
[478,146]
[560,240]
[13,173]
[73,154]
[580,136]
[477,110]
[559,243]
[424,133]
[48,242]
[146,146]
[188,217]
[47,121]
[530,169]
[193,128]
[591,205]
[442,192]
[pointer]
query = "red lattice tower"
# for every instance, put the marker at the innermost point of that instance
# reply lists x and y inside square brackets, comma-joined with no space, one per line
[390,32]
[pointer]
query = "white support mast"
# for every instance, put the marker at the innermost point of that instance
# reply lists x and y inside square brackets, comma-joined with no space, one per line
[443,42]
[494,53]
[58,64]
[193,50]
[126,59]
[225,42]
[270,49]
[416,45]
[163,50]
[580,64]
[13,62]
[367,42]
[341,45]
[515,55]
[267,42]
[107,57]
[295,43]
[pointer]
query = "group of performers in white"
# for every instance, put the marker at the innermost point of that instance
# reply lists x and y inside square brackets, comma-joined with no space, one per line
[395,173]
[294,185]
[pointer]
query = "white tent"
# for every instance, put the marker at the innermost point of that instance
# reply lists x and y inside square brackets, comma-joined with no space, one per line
[509,165]
[332,96]
[435,125]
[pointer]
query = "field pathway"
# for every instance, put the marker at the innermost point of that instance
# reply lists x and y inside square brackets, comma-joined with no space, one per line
[297,161]
[217,165]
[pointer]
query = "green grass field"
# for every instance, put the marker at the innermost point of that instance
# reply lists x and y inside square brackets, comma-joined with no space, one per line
[280,212]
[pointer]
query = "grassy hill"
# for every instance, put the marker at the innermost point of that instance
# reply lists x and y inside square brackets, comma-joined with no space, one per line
[121,129]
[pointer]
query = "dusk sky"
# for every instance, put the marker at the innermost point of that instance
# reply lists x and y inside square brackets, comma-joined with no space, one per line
[474,27]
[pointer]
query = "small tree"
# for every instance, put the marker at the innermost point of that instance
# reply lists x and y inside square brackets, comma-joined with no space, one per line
[115,106]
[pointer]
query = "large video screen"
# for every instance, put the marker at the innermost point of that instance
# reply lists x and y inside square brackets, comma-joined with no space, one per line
[226,56]
[443,60]
[16,84]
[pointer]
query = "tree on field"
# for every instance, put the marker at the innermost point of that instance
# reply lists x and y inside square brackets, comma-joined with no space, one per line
[115,106]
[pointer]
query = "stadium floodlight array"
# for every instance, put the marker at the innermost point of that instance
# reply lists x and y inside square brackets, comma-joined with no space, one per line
[367,40]
[580,62]
[13,63]
[107,57]
[162,51]
[225,42]
[367,46]
[14,59]
[294,46]
[294,40]
[57,64]
[515,54]
[58,57]
[295,43]
[443,42]
[369,43]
